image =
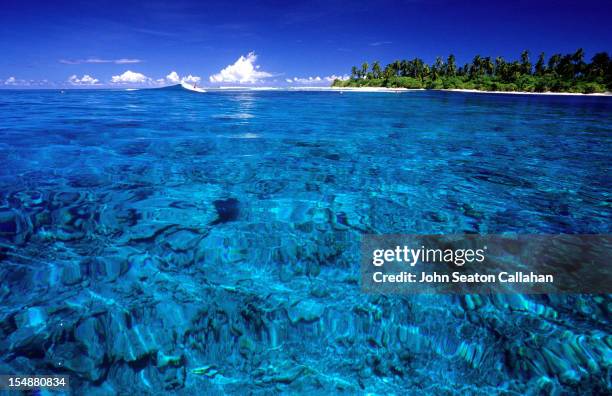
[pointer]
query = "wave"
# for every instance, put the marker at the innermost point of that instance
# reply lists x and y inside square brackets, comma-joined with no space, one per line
[192,88]
[181,87]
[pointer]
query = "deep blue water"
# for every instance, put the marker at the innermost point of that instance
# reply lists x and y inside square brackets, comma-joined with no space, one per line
[166,241]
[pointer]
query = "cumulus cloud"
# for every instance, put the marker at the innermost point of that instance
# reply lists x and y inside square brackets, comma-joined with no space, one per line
[20,82]
[304,80]
[85,80]
[315,80]
[242,71]
[191,79]
[130,77]
[334,77]
[16,81]
[121,61]
[174,78]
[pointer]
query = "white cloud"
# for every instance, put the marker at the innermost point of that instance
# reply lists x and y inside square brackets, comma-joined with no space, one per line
[16,81]
[130,77]
[243,70]
[334,77]
[174,78]
[27,83]
[304,80]
[124,61]
[85,80]
[315,80]
[121,61]
[379,43]
[191,79]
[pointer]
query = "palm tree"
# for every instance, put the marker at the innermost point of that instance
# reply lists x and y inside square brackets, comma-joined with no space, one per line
[475,69]
[540,67]
[553,62]
[376,72]
[500,63]
[405,68]
[364,69]
[565,68]
[419,68]
[397,67]
[414,72]
[487,65]
[561,72]
[437,68]
[425,72]
[525,64]
[578,59]
[451,67]
[389,71]
[600,65]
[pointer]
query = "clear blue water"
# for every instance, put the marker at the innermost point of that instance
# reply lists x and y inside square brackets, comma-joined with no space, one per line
[166,241]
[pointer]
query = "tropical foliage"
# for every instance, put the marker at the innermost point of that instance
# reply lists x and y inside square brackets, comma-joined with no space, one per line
[560,73]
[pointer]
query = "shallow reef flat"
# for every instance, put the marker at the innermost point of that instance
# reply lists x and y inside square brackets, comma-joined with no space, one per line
[161,242]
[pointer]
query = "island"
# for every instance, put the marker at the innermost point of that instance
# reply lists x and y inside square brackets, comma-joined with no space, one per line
[560,73]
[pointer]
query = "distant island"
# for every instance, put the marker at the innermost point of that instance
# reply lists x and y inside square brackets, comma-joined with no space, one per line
[560,73]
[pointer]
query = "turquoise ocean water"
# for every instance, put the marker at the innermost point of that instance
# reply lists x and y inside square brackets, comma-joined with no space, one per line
[163,241]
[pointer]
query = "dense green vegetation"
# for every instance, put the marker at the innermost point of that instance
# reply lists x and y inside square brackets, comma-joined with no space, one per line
[561,73]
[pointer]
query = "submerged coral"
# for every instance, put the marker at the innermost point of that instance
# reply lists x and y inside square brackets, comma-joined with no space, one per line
[180,259]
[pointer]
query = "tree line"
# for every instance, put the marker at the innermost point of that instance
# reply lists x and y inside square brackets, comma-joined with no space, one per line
[558,73]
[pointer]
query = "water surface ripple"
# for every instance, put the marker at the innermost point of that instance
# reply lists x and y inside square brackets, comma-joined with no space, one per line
[164,240]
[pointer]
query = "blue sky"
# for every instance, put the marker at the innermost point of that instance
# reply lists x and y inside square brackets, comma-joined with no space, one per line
[93,44]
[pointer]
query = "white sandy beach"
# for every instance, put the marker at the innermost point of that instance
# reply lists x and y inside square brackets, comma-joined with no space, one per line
[388,90]
[526,93]
[354,89]
[374,89]
[384,89]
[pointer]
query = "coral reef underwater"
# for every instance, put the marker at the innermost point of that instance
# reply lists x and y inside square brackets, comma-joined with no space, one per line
[162,243]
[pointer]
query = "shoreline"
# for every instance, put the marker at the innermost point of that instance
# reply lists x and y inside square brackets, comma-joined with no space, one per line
[385,89]
[525,92]
[329,89]
[376,89]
